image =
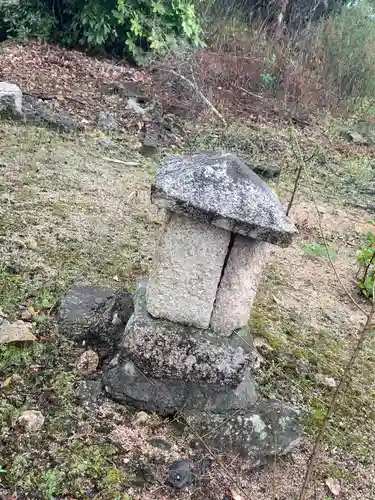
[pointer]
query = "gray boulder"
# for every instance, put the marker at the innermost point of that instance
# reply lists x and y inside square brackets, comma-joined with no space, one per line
[39,113]
[261,431]
[97,315]
[222,190]
[10,100]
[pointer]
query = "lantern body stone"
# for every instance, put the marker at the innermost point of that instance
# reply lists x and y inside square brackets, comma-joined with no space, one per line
[187,270]
[239,283]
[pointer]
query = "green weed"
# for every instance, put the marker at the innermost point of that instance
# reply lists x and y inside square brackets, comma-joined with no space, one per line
[316,250]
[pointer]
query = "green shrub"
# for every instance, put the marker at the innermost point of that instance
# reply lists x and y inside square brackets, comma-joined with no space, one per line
[366,260]
[132,27]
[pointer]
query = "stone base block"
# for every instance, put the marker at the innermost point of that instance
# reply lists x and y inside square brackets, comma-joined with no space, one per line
[259,432]
[127,384]
[164,366]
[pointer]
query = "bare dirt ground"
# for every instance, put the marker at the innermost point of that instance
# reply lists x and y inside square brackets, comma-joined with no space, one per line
[68,214]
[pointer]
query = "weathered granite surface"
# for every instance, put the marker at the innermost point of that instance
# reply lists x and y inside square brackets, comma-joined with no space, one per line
[222,190]
[163,349]
[95,314]
[125,383]
[257,432]
[164,366]
[186,272]
[238,285]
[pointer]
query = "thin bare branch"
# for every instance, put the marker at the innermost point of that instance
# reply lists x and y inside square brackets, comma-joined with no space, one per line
[121,162]
[201,95]
[322,233]
[363,333]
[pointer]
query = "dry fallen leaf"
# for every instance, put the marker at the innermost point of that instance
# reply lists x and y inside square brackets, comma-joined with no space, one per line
[235,495]
[333,486]
[32,311]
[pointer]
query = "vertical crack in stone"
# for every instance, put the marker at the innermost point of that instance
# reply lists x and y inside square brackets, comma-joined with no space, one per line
[229,249]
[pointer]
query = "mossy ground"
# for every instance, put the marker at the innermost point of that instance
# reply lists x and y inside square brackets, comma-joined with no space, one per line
[92,222]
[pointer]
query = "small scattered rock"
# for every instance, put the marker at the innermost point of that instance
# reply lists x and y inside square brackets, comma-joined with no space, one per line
[17,333]
[180,474]
[88,391]
[356,137]
[107,121]
[26,315]
[31,244]
[266,171]
[160,443]
[142,417]
[151,138]
[325,381]
[88,362]
[333,485]
[132,105]
[31,420]
[107,144]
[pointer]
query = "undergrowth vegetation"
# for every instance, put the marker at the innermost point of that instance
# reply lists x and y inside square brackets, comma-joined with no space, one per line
[131,28]
[327,58]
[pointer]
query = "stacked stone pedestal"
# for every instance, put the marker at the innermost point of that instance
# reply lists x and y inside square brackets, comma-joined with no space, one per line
[187,346]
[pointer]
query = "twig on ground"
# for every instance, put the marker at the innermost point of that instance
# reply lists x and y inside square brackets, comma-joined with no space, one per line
[250,93]
[127,163]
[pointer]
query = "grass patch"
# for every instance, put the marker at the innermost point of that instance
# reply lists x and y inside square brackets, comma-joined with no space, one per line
[316,250]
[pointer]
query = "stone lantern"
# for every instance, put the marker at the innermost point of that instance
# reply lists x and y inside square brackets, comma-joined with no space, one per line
[187,345]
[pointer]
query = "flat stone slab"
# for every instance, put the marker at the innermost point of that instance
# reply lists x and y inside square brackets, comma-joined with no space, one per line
[128,385]
[186,271]
[238,285]
[17,333]
[259,432]
[222,190]
[162,349]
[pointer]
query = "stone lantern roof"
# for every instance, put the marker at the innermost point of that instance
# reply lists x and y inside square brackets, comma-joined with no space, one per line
[222,190]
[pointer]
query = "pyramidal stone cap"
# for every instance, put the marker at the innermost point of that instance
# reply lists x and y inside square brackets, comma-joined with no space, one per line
[222,190]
